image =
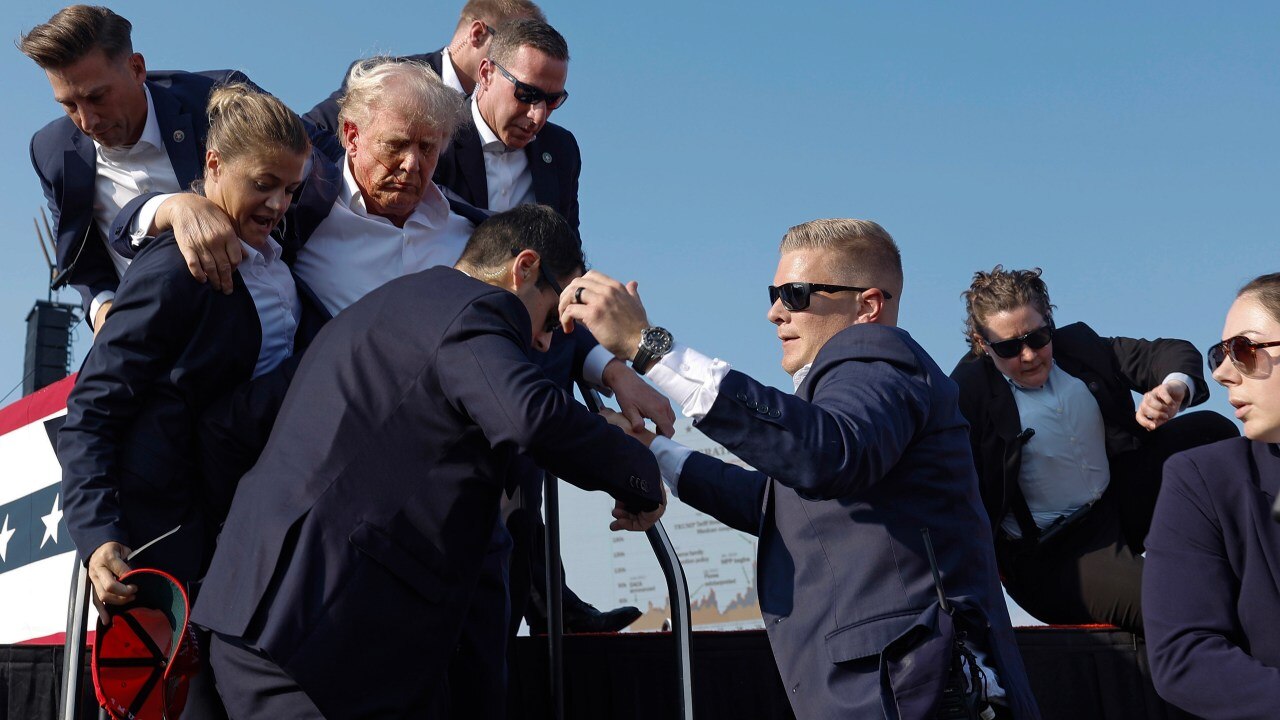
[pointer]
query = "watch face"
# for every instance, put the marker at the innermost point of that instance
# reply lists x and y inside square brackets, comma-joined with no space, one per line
[656,340]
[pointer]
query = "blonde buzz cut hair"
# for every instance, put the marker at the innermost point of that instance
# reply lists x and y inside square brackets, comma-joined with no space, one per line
[870,256]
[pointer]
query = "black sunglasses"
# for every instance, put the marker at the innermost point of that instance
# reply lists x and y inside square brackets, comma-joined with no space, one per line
[1242,351]
[553,320]
[530,95]
[795,296]
[1035,340]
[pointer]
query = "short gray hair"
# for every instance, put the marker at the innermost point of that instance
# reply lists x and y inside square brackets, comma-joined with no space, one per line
[406,86]
[870,254]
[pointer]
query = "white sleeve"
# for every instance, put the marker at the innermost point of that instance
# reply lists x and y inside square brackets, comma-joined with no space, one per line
[593,369]
[105,296]
[1185,379]
[670,456]
[140,225]
[689,378]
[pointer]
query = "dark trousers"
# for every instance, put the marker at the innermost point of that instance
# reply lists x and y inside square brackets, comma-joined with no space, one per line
[1092,571]
[252,686]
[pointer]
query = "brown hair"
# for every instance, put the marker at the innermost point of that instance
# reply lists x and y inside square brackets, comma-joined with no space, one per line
[527,32]
[1001,291]
[872,257]
[74,32]
[244,121]
[1266,288]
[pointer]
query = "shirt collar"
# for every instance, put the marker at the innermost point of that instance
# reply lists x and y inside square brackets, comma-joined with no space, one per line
[800,375]
[448,73]
[432,210]
[1048,381]
[259,257]
[150,131]
[488,139]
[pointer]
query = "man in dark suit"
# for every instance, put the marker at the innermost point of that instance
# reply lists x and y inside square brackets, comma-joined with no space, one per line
[508,153]
[127,132]
[868,454]
[457,63]
[354,545]
[1068,468]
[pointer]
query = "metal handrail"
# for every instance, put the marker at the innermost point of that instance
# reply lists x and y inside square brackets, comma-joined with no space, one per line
[677,593]
[73,643]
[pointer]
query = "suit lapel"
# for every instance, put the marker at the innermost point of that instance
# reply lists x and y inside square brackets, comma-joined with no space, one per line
[79,169]
[179,133]
[469,159]
[546,189]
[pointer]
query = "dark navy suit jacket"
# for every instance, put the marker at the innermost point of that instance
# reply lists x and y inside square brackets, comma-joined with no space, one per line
[353,546]
[554,165]
[1211,586]
[1112,369]
[128,448]
[870,450]
[64,158]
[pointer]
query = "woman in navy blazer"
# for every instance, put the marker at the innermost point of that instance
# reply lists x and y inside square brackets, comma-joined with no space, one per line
[129,446]
[1211,590]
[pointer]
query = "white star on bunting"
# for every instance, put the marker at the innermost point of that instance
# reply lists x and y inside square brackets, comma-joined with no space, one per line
[5,533]
[51,522]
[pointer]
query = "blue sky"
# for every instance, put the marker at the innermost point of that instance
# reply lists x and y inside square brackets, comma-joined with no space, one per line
[1130,150]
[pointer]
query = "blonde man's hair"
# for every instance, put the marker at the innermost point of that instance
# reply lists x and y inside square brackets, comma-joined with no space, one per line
[871,257]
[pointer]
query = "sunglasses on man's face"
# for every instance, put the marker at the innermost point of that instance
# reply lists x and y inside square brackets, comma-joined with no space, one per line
[1242,351]
[795,296]
[1010,348]
[530,95]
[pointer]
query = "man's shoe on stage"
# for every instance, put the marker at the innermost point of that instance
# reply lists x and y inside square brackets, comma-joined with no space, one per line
[583,617]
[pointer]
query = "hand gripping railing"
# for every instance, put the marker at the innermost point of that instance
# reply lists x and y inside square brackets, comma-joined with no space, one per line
[677,592]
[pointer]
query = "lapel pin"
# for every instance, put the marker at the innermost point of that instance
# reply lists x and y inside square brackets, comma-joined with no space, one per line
[179,136]
[546,157]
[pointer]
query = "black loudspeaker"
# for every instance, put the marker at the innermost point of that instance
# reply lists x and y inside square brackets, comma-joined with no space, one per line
[48,357]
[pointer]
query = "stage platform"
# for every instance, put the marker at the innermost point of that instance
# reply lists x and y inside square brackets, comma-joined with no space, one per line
[1077,674]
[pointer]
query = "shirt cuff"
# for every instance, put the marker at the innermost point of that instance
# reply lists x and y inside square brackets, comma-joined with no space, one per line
[96,304]
[670,456]
[593,369]
[690,378]
[140,224]
[1185,379]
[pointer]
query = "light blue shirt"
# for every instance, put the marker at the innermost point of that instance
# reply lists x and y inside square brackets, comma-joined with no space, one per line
[1064,465]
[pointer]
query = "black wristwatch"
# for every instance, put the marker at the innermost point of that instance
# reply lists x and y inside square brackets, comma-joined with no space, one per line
[654,343]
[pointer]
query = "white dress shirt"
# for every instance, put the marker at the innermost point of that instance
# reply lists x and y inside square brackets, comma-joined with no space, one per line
[353,251]
[124,173]
[275,295]
[506,170]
